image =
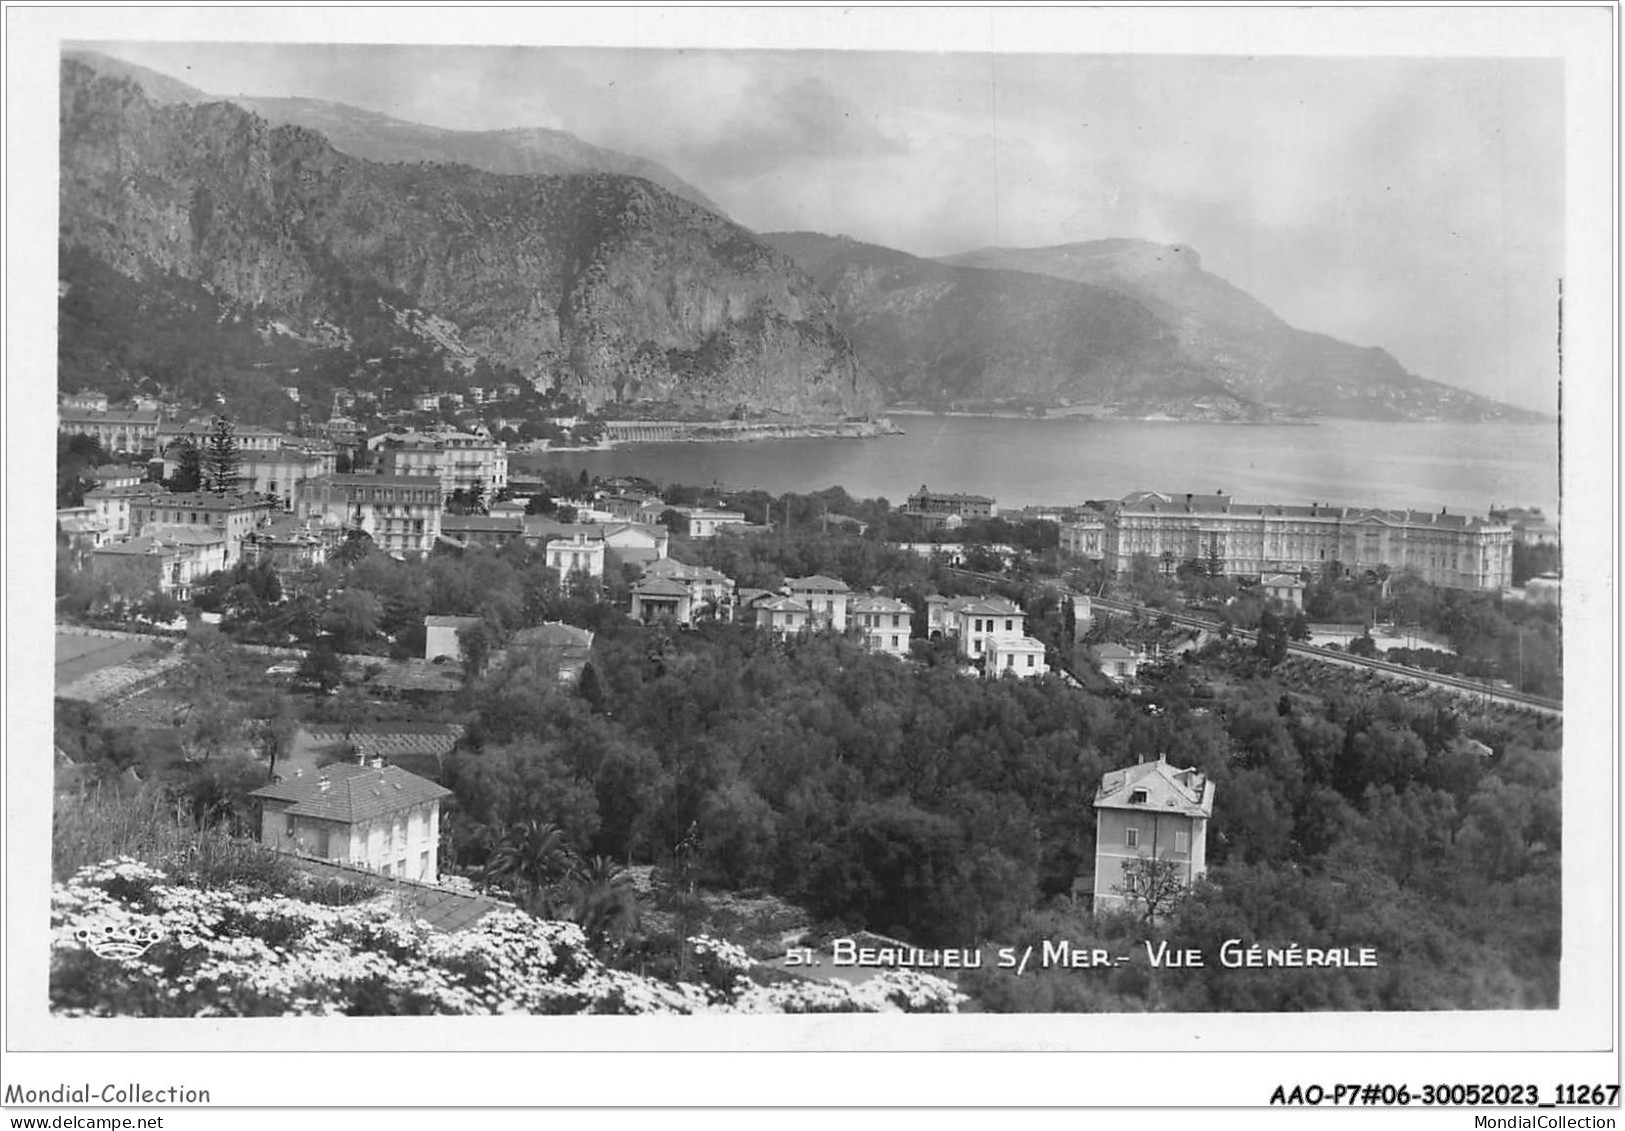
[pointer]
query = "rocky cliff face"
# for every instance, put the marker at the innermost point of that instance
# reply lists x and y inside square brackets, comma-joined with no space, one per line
[957,337]
[1249,349]
[378,137]
[606,285]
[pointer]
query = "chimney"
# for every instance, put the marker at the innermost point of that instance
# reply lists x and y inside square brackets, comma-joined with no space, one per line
[324,784]
[377,762]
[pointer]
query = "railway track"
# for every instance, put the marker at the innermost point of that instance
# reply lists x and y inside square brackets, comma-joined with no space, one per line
[1476,688]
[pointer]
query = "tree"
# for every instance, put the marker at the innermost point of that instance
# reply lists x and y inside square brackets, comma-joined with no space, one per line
[1272,637]
[476,642]
[222,462]
[322,668]
[357,545]
[605,905]
[272,726]
[1215,558]
[189,467]
[1152,886]
[531,857]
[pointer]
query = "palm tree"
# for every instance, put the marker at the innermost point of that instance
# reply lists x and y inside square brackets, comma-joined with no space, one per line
[530,858]
[605,905]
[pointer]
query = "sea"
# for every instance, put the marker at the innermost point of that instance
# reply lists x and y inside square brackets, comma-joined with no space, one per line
[1463,468]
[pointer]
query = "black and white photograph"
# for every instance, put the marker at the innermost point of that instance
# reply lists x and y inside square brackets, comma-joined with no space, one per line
[766,526]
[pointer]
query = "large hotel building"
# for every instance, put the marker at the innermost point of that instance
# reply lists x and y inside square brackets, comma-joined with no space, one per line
[1452,550]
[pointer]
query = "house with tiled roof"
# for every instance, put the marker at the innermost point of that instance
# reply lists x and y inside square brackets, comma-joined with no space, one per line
[564,645]
[378,817]
[884,622]
[783,615]
[661,598]
[827,597]
[1284,587]
[974,620]
[704,584]
[464,530]
[161,563]
[1149,811]
[1020,656]
[1117,663]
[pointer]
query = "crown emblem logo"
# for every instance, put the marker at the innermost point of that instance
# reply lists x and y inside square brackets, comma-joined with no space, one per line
[119,942]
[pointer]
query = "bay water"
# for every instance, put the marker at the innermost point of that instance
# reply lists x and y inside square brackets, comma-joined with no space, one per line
[1465,468]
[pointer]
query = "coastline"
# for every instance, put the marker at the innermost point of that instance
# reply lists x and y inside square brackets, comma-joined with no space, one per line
[629,433]
[1092,416]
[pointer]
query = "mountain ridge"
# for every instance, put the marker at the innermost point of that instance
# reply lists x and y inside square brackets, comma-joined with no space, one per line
[945,336]
[605,286]
[375,136]
[1248,347]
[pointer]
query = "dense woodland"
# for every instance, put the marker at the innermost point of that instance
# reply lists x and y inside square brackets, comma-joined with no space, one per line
[911,798]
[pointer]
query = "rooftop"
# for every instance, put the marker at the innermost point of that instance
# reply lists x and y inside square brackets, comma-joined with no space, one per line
[817,583]
[351,794]
[1166,789]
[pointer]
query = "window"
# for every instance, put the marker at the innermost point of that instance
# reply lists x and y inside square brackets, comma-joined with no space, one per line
[894,642]
[1182,842]
[292,824]
[1009,661]
[1138,797]
[1132,838]
[1009,625]
[1029,661]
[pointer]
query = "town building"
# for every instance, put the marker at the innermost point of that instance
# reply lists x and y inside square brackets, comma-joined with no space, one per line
[1117,663]
[116,430]
[1284,587]
[563,646]
[401,513]
[279,473]
[826,596]
[635,543]
[463,461]
[1455,551]
[84,400]
[884,623]
[781,616]
[114,506]
[286,543]
[118,475]
[170,562]
[1530,527]
[579,552]
[235,516]
[441,639]
[632,506]
[662,599]
[973,621]
[464,530]
[81,531]
[375,816]
[1085,535]
[1151,811]
[248,438]
[708,588]
[1020,656]
[704,522]
[939,508]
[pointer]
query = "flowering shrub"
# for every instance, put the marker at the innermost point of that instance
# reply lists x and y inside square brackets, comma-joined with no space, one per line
[127,940]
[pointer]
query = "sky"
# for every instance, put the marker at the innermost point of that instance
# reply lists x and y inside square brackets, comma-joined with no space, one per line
[1415,204]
